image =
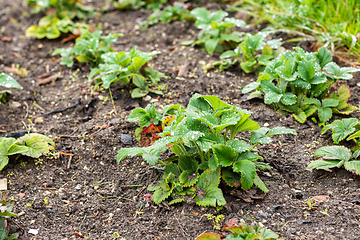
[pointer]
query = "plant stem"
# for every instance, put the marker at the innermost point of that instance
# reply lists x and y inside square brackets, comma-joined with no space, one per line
[112,100]
[161,162]
[254,147]
[181,146]
[200,151]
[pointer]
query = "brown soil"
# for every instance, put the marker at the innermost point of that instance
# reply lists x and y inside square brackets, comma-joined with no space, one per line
[91,194]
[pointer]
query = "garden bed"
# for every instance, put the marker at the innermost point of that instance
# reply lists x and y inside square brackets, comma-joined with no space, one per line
[90,194]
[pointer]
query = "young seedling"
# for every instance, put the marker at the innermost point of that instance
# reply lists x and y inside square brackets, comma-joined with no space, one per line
[310,205]
[217,220]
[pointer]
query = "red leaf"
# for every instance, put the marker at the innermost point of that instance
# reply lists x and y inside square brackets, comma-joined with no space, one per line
[79,235]
[152,129]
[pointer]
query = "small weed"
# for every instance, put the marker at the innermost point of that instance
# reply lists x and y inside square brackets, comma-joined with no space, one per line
[310,205]
[217,220]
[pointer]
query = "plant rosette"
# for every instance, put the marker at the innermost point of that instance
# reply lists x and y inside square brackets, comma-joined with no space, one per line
[128,68]
[336,157]
[168,15]
[216,34]
[299,82]
[205,150]
[59,18]
[88,48]
[253,54]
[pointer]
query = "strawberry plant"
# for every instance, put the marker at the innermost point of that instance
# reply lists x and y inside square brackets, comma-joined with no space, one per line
[59,18]
[241,231]
[7,81]
[336,156]
[348,128]
[62,7]
[216,34]
[5,213]
[128,68]
[253,54]
[168,15]
[31,145]
[205,150]
[89,47]
[137,4]
[303,83]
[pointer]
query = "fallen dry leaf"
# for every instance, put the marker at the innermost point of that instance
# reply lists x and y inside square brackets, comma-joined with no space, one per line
[44,75]
[17,54]
[52,78]
[6,39]
[183,70]
[3,184]
[188,6]
[8,69]
[34,231]
[231,223]
[241,15]
[79,235]
[248,195]
[195,213]
[321,198]
[70,37]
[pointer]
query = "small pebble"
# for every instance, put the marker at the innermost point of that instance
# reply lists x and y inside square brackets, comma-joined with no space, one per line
[274,207]
[78,187]
[126,139]
[298,195]
[39,120]
[14,104]
[147,98]
[291,230]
